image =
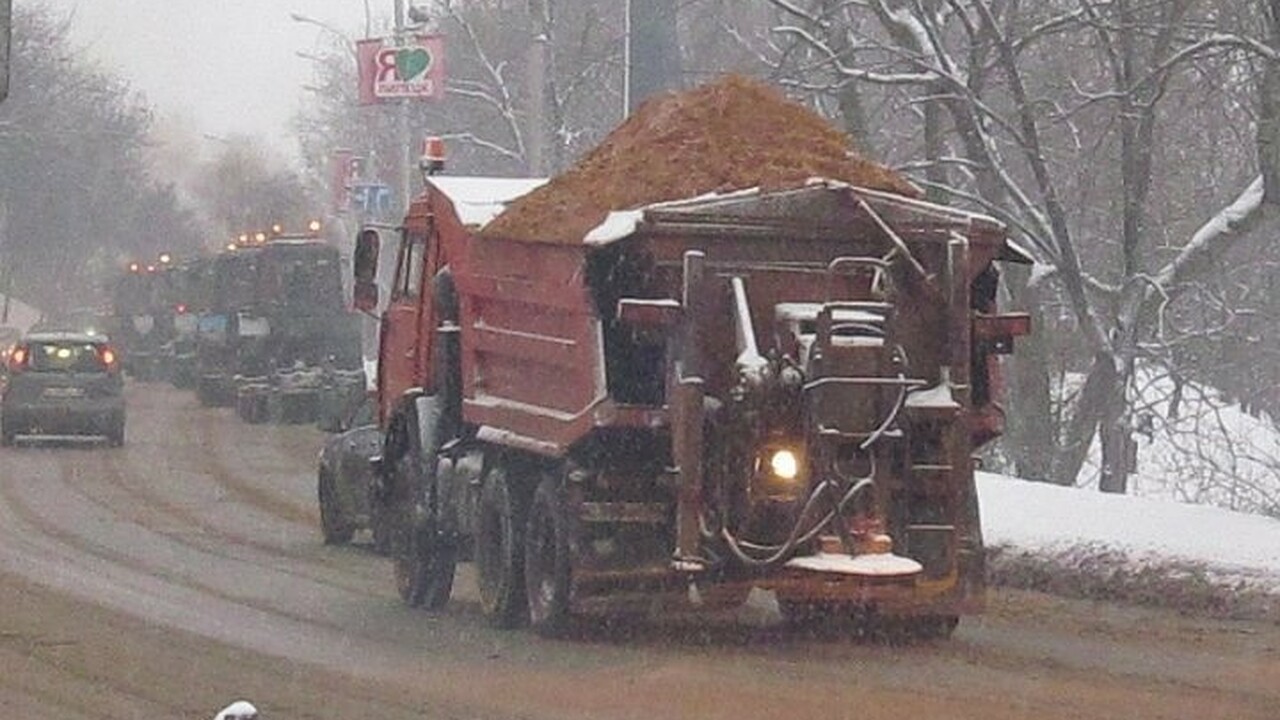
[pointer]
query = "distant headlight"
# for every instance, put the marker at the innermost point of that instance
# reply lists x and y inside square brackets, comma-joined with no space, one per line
[784,464]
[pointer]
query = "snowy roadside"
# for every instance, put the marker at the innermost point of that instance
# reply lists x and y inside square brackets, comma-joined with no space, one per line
[20,315]
[1080,542]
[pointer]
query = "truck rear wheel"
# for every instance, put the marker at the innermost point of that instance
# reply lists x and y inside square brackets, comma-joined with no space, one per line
[424,559]
[499,551]
[547,562]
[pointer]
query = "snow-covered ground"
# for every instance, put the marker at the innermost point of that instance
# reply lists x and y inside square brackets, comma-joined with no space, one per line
[1047,519]
[1200,459]
[1198,448]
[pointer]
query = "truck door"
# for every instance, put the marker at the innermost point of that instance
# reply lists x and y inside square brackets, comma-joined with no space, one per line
[402,324]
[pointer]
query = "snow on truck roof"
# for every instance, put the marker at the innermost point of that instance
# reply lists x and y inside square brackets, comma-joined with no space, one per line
[478,200]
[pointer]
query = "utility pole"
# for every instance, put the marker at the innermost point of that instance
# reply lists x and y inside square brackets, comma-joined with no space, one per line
[6,23]
[536,78]
[652,50]
[6,269]
[404,163]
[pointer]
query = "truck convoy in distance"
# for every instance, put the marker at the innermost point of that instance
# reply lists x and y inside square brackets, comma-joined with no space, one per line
[143,310]
[779,389]
[273,325]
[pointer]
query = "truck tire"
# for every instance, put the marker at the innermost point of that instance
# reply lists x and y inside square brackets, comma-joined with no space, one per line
[547,562]
[115,435]
[334,528]
[499,550]
[423,557]
[183,378]
[207,392]
[936,627]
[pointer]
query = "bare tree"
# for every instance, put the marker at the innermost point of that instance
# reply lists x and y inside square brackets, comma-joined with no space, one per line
[531,84]
[75,193]
[1023,107]
[244,191]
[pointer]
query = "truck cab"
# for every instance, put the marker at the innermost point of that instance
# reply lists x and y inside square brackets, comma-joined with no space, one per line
[415,294]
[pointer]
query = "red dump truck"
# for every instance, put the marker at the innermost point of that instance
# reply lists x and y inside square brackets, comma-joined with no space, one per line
[780,389]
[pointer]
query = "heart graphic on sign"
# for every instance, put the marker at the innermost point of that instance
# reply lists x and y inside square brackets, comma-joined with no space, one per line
[412,62]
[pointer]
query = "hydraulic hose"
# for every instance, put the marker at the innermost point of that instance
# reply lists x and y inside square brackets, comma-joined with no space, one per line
[742,549]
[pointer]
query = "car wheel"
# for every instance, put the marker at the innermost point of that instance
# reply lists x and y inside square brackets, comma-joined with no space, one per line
[333,526]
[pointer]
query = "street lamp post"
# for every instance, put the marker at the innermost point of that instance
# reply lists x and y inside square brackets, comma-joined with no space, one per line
[403,160]
[347,42]
[404,163]
[403,155]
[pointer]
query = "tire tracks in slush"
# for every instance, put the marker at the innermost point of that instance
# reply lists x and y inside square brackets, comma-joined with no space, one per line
[28,513]
[207,534]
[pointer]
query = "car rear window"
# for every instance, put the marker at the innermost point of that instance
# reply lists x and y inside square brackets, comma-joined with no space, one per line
[73,357]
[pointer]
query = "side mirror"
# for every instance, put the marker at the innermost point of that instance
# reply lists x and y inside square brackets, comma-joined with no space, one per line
[365,296]
[365,262]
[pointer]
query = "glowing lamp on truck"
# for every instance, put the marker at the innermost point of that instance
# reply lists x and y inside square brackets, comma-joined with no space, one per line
[780,472]
[314,226]
[784,464]
[260,237]
[165,258]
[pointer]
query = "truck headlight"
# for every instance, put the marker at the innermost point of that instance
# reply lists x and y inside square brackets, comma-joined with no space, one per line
[784,464]
[779,474]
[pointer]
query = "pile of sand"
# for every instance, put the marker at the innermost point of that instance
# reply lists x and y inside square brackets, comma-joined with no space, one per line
[733,134]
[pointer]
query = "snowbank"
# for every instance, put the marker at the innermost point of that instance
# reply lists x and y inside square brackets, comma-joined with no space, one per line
[1040,518]
[21,315]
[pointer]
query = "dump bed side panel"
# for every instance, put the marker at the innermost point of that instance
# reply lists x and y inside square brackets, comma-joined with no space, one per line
[533,365]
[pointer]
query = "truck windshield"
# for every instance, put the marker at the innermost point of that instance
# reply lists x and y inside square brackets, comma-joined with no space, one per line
[133,294]
[312,282]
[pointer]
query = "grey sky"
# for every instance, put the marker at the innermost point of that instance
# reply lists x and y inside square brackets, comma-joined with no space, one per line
[229,65]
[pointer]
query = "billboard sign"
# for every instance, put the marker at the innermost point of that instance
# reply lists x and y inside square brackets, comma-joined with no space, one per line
[412,68]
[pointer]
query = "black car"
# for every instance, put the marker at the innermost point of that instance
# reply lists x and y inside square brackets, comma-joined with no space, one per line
[63,383]
[346,479]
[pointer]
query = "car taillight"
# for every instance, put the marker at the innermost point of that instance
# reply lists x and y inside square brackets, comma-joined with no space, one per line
[181,308]
[18,359]
[108,356]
